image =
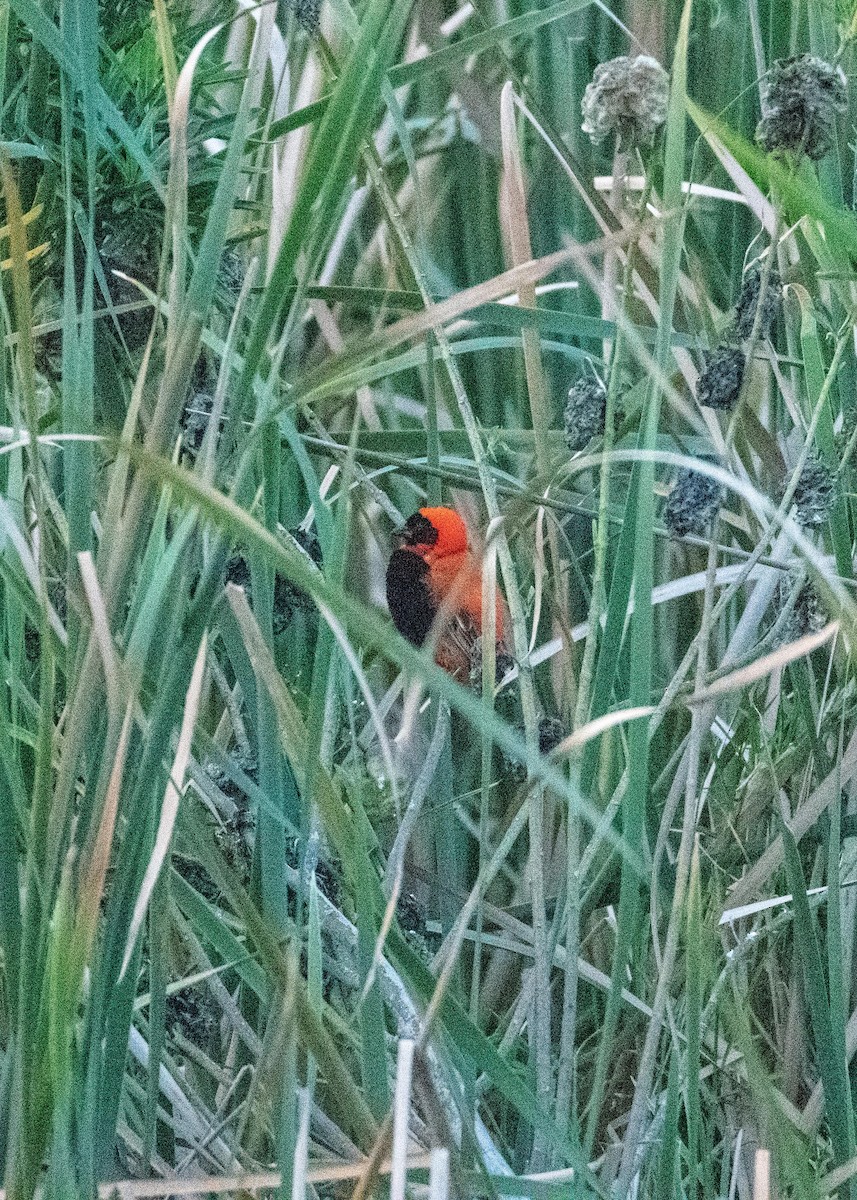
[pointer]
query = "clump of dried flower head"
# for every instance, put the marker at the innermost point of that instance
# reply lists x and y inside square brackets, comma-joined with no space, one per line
[801,98]
[720,380]
[585,412]
[799,608]
[748,302]
[627,100]
[551,733]
[814,494]
[692,504]
[288,597]
[307,14]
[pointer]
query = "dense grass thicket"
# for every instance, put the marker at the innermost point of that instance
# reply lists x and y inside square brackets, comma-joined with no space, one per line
[285,908]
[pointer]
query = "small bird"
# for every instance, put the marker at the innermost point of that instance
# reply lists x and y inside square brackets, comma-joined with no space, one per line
[434,571]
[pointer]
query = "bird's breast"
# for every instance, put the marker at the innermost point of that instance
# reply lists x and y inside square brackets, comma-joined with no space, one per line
[409,595]
[460,576]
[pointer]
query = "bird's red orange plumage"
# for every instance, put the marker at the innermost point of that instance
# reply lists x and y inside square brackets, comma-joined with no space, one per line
[453,578]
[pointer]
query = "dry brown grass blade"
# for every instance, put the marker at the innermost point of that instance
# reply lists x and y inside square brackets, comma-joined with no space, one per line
[251,1181]
[101,630]
[762,1175]
[94,872]
[600,725]
[437,316]
[170,806]
[766,665]
[514,198]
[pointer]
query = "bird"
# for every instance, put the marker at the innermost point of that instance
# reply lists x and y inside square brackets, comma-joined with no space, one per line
[434,576]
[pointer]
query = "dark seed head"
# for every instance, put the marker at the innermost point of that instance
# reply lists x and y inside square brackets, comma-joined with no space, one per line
[411,913]
[238,572]
[720,382]
[585,412]
[245,762]
[551,733]
[505,663]
[802,96]
[231,272]
[193,1013]
[748,302]
[512,768]
[288,598]
[412,916]
[307,13]
[692,504]
[807,613]
[195,420]
[814,494]
[32,643]
[234,839]
[308,541]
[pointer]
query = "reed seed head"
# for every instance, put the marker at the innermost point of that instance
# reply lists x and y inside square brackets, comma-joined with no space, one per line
[814,495]
[692,504]
[585,412]
[720,382]
[627,99]
[802,97]
[748,302]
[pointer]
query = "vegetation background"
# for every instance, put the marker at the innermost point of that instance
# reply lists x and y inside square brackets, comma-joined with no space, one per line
[279,899]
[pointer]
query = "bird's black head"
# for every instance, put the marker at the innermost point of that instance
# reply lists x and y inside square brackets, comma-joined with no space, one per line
[418,531]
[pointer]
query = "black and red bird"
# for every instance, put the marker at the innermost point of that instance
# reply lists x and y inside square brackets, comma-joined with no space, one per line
[434,569]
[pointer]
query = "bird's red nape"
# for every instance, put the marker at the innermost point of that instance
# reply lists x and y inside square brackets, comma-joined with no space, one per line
[451,530]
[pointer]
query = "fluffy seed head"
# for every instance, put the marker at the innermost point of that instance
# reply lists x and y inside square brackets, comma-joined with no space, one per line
[628,99]
[720,382]
[802,96]
[692,504]
[585,412]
